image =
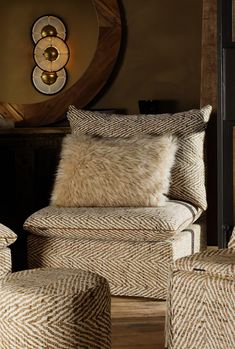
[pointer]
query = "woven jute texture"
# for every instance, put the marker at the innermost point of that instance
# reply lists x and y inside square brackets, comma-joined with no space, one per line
[113,223]
[5,261]
[231,243]
[201,302]
[54,308]
[7,236]
[188,173]
[132,268]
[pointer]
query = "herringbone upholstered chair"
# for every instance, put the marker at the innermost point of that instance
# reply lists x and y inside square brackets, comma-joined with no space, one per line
[61,309]
[201,304]
[7,237]
[132,247]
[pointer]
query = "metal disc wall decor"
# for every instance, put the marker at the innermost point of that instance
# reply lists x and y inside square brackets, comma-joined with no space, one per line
[51,55]
[50,108]
[48,24]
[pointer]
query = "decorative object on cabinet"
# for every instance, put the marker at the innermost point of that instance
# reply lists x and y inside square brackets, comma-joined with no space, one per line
[155,106]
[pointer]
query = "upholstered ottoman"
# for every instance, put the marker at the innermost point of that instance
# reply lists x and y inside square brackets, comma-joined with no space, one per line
[54,308]
[201,303]
[7,237]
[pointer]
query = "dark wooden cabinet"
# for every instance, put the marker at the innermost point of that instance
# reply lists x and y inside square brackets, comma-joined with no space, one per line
[226,119]
[29,158]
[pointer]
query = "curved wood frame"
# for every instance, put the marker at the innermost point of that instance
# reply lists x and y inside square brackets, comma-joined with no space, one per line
[87,87]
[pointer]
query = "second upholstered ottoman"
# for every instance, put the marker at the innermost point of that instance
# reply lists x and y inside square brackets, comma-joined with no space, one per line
[54,308]
[201,303]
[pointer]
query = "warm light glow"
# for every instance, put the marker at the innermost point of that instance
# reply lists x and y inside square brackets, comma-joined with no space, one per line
[49,30]
[51,53]
[49,78]
[43,53]
[48,22]
[43,81]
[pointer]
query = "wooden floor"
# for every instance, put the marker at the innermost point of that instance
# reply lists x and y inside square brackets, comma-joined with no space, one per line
[137,323]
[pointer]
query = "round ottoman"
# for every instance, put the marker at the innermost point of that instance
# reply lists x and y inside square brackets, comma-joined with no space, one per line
[54,308]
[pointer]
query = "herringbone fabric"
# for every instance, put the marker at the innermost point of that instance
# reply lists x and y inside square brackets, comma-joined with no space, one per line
[7,237]
[113,224]
[118,125]
[231,243]
[62,309]
[201,304]
[5,261]
[131,268]
[188,173]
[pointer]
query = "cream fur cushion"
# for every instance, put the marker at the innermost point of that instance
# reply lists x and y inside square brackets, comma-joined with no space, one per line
[96,171]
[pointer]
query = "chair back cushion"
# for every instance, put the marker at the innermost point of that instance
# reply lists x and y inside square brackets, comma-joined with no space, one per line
[188,172]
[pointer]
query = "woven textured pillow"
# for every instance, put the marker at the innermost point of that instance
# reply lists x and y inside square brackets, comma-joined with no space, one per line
[188,173]
[7,237]
[96,171]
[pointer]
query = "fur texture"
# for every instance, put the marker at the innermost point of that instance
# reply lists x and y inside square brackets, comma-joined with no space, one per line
[95,171]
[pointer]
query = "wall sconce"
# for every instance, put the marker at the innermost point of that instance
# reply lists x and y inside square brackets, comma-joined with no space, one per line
[51,54]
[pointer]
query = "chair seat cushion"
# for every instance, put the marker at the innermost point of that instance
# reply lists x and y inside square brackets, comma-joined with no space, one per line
[113,223]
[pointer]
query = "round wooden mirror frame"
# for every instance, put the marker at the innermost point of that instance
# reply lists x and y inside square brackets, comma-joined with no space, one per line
[88,85]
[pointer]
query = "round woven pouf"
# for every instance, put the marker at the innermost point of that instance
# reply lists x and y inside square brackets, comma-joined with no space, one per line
[54,308]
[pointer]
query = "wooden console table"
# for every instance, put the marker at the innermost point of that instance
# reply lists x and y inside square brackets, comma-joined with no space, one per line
[29,157]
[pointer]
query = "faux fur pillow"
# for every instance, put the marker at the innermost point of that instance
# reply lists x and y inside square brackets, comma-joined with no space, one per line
[96,171]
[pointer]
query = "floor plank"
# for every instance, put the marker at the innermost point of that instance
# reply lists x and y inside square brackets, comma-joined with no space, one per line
[137,323]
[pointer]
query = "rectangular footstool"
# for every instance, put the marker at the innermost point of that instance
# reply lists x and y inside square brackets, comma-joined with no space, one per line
[201,302]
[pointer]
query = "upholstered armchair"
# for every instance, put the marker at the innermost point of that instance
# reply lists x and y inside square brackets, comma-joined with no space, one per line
[126,223]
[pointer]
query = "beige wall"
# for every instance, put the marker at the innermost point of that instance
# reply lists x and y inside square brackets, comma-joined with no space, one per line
[162,56]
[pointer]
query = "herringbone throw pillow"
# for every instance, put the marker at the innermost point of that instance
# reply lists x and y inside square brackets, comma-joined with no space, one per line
[188,173]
